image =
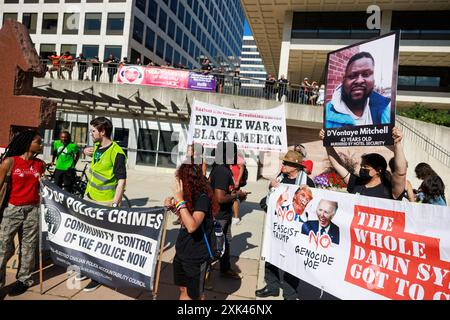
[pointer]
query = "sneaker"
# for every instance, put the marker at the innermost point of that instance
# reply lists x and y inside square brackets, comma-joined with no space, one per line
[80,277]
[92,286]
[18,289]
[208,281]
[231,274]
[235,221]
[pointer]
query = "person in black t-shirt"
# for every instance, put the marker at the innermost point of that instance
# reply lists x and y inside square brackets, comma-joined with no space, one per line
[195,204]
[221,179]
[373,179]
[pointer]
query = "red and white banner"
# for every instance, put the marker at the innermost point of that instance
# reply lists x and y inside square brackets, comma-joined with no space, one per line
[357,247]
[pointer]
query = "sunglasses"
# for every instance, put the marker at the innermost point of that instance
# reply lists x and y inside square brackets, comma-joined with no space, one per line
[292,164]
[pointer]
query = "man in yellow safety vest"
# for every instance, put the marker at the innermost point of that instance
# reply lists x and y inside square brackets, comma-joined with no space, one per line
[108,174]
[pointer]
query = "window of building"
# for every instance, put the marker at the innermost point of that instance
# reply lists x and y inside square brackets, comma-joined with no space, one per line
[72,1]
[11,1]
[174,6]
[147,147]
[138,30]
[168,149]
[150,39]
[169,53]
[92,23]
[94,1]
[162,19]
[187,21]
[181,12]
[432,25]
[29,20]
[71,23]
[90,51]
[140,4]
[160,47]
[134,56]
[9,15]
[51,1]
[30,1]
[115,23]
[46,50]
[147,60]
[420,78]
[59,127]
[49,23]
[116,51]
[179,36]
[117,0]
[121,136]
[71,48]
[152,12]
[331,25]
[176,57]
[79,132]
[186,43]
[171,29]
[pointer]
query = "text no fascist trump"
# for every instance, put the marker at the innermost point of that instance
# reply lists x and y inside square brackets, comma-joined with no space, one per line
[263,130]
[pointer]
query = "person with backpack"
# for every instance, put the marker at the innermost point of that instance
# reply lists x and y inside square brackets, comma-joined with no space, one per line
[240,179]
[66,154]
[195,204]
[21,171]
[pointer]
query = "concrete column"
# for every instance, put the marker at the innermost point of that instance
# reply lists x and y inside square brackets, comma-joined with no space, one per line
[285,44]
[386,17]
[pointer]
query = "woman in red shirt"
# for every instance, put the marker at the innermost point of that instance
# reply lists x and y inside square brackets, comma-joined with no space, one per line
[21,214]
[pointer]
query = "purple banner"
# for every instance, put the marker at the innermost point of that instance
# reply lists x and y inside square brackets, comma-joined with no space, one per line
[201,82]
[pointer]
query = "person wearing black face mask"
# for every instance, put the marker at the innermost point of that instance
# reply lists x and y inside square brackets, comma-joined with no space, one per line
[373,179]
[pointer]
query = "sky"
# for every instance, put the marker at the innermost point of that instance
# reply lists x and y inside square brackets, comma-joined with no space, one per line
[247,31]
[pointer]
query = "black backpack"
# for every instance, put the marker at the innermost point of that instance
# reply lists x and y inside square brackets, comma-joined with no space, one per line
[216,248]
[244,179]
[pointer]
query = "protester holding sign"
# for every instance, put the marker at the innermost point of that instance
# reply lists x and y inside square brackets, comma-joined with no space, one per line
[195,204]
[275,278]
[23,170]
[374,180]
[221,179]
[108,176]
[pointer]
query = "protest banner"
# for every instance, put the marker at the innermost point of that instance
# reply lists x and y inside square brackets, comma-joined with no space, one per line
[166,77]
[361,90]
[117,247]
[358,247]
[257,130]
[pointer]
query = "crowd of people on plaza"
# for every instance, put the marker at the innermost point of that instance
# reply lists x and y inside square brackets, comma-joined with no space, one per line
[200,202]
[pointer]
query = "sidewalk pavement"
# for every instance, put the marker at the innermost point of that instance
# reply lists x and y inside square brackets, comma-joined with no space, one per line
[148,188]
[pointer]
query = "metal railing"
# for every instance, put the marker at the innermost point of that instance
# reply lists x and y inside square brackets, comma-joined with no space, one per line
[434,150]
[226,83]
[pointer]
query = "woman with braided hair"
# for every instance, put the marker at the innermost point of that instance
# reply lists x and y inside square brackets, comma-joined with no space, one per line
[21,215]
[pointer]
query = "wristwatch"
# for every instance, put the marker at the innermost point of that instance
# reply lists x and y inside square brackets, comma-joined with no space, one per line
[236,196]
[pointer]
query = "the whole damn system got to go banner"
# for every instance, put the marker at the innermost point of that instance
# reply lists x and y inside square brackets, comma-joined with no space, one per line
[372,248]
[118,247]
[258,130]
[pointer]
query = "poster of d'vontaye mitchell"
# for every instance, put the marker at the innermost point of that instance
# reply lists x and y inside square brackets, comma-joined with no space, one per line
[361,93]
[117,247]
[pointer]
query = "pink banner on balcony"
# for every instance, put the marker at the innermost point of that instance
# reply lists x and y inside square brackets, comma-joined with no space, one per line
[161,77]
